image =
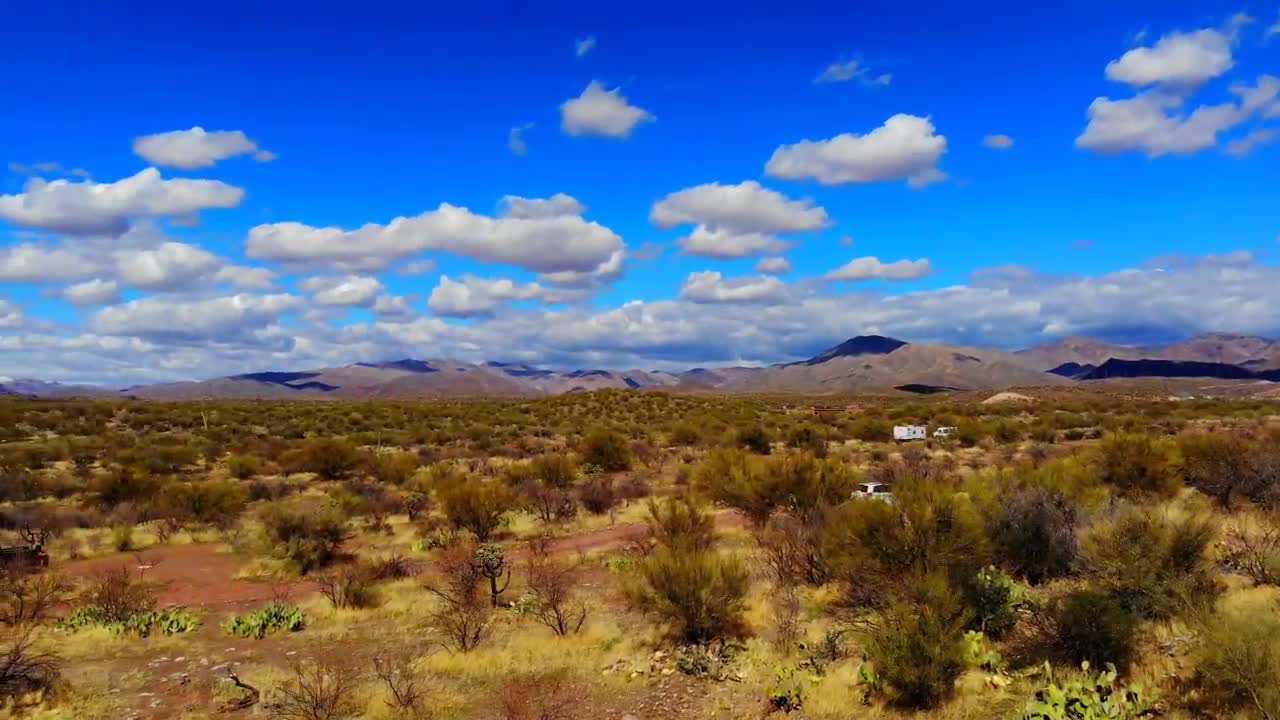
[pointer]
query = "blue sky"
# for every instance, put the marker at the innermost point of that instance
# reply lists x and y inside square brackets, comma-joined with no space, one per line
[1000,176]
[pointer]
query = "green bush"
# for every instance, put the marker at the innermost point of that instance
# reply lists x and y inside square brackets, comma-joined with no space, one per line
[1137,464]
[930,529]
[680,523]
[1153,561]
[395,467]
[1091,626]
[309,535]
[918,646]
[754,438]
[1239,658]
[477,506]
[258,624]
[607,450]
[217,503]
[243,467]
[994,598]
[330,458]
[698,594]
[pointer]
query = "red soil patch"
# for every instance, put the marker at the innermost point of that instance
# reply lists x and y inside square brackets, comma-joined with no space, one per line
[190,576]
[198,576]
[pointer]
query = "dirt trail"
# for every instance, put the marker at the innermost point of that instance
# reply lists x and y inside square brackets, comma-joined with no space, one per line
[199,576]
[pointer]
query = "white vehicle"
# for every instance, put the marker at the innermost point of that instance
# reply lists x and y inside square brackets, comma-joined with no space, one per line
[902,433]
[945,431]
[875,490]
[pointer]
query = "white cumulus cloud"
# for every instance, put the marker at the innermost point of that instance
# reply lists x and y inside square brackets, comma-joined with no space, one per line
[472,296]
[1178,60]
[105,208]
[169,266]
[93,292]
[905,147]
[234,318]
[871,268]
[998,142]
[598,111]
[563,243]
[711,287]
[196,148]
[351,290]
[773,265]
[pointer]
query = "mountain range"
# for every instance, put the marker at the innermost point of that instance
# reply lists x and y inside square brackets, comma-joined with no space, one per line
[868,362]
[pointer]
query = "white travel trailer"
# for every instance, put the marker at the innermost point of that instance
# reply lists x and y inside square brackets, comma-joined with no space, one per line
[903,433]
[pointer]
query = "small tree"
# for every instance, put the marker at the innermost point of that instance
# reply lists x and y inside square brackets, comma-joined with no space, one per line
[462,615]
[553,586]
[25,670]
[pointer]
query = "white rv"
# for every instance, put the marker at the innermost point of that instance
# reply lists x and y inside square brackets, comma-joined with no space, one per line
[903,433]
[945,431]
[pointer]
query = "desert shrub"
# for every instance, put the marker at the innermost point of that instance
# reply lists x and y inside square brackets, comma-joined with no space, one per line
[405,697]
[685,434]
[351,586]
[330,458]
[543,695]
[606,449]
[1151,560]
[553,588]
[809,438]
[25,670]
[1136,463]
[555,470]
[461,615]
[930,529]
[793,550]
[1254,552]
[1090,626]
[680,522]
[1033,534]
[395,467]
[917,645]
[276,617]
[754,438]
[315,691]
[243,467]
[309,535]
[123,483]
[756,487]
[119,594]
[27,596]
[1239,657]
[217,503]
[477,506]
[597,494]
[871,429]
[994,598]
[698,594]
[1088,697]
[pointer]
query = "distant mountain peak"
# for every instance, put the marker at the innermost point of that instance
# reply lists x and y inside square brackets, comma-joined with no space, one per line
[854,346]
